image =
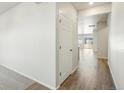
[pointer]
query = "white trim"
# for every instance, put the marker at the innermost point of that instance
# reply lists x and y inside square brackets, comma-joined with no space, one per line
[74,69]
[46,85]
[57,87]
[95,51]
[102,57]
[112,75]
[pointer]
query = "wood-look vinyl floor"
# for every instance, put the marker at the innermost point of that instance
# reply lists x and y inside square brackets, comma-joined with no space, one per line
[92,74]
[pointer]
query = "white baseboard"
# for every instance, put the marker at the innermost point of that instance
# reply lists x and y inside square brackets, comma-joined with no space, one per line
[74,69]
[57,87]
[102,57]
[112,76]
[46,85]
[95,51]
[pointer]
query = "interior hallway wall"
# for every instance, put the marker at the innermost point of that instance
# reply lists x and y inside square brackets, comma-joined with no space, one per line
[116,44]
[27,41]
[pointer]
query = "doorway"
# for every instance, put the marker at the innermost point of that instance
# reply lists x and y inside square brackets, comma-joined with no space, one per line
[88,42]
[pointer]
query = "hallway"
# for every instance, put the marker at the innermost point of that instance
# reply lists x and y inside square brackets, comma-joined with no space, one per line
[39,45]
[91,74]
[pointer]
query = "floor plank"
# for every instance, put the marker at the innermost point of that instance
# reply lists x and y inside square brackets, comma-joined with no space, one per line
[37,86]
[92,74]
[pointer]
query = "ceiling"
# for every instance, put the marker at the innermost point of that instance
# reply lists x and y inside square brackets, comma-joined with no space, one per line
[4,6]
[85,5]
[93,19]
[85,22]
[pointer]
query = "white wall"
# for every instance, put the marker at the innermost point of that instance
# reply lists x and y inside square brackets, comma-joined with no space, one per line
[27,41]
[116,44]
[69,11]
[102,40]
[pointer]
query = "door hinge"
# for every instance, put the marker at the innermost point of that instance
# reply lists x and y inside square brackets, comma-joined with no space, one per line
[60,47]
[59,20]
[60,73]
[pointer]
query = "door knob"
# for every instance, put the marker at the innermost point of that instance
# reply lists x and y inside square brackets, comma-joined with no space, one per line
[70,50]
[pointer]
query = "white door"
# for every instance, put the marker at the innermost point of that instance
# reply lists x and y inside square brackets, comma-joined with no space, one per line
[65,47]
